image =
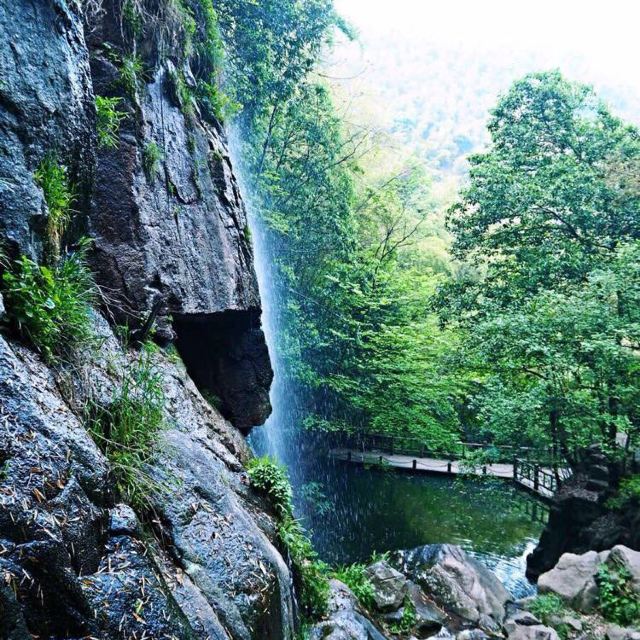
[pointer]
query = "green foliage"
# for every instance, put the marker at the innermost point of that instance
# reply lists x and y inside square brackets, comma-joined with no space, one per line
[355,577]
[628,494]
[127,429]
[132,17]
[618,600]
[53,178]
[184,95]
[546,607]
[151,158]
[407,621]
[51,306]
[271,479]
[108,121]
[547,295]
[131,71]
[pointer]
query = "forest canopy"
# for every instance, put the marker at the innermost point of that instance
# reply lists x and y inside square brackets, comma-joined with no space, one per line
[512,317]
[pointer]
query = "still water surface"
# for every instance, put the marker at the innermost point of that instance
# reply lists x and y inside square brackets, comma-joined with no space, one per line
[353,512]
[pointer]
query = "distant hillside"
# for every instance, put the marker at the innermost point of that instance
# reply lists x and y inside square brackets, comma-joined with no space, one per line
[436,99]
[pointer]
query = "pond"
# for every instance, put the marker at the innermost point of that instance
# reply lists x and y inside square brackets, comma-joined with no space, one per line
[353,512]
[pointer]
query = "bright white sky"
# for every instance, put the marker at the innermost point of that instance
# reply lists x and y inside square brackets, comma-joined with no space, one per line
[605,32]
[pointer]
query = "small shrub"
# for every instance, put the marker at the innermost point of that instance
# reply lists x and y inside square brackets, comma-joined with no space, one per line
[131,70]
[618,601]
[151,157]
[407,621]
[127,430]
[51,307]
[310,573]
[546,607]
[52,177]
[355,577]
[108,121]
[270,478]
[132,18]
[628,494]
[216,102]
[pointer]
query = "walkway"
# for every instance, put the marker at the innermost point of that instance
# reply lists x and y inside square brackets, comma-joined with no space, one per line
[538,480]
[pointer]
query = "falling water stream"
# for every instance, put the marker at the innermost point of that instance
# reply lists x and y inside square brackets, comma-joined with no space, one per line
[352,512]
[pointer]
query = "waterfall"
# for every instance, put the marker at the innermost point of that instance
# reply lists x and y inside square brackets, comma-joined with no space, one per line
[277,437]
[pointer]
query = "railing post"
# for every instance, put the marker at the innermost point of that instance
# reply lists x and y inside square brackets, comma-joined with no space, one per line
[536,479]
[449,467]
[515,469]
[349,456]
[415,464]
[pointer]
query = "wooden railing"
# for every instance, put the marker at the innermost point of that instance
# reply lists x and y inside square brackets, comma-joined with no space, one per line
[404,445]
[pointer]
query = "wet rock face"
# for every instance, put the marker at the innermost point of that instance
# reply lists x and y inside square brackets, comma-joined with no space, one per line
[169,228]
[200,568]
[456,582]
[171,236]
[46,107]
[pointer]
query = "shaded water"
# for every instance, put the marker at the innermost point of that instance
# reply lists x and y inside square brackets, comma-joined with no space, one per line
[356,512]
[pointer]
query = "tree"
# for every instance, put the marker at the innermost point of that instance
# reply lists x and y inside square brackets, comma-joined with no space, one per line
[548,231]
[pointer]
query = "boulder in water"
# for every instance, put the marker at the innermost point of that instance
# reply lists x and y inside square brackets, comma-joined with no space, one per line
[456,582]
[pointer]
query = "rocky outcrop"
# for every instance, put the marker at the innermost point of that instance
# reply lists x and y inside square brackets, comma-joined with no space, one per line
[345,618]
[574,577]
[46,108]
[67,550]
[457,583]
[171,252]
[580,519]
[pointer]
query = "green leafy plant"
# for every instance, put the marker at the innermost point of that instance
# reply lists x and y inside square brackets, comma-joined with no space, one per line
[132,17]
[53,178]
[128,427]
[151,157]
[184,96]
[546,607]
[628,493]
[131,70]
[355,577]
[270,478]
[51,307]
[618,601]
[108,121]
[407,621]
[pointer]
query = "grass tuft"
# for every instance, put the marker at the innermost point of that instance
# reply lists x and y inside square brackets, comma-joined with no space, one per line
[127,430]
[355,577]
[108,121]
[52,177]
[151,157]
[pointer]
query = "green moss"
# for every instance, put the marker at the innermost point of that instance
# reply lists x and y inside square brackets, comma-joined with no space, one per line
[108,121]
[151,157]
[51,307]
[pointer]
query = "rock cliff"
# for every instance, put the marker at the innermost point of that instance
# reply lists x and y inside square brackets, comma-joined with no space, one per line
[172,256]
